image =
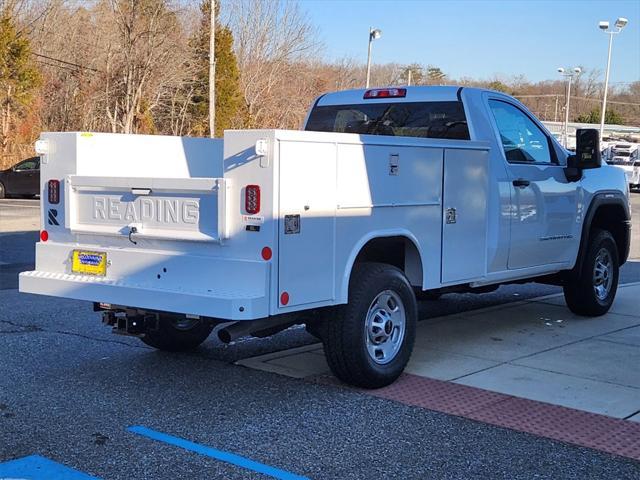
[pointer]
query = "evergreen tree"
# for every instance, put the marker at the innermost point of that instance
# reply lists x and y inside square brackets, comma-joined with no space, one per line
[414,73]
[610,117]
[18,78]
[498,86]
[435,75]
[230,108]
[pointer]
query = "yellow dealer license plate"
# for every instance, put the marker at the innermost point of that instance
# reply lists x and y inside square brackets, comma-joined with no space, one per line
[89,263]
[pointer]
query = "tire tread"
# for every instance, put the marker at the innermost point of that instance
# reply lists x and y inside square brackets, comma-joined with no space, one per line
[578,293]
[344,354]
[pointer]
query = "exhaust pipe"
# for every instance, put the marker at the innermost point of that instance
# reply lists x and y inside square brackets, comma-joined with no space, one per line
[251,327]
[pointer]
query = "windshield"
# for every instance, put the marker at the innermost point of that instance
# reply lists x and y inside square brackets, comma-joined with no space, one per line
[407,119]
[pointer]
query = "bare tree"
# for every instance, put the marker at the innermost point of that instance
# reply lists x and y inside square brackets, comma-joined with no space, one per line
[273,39]
[138,53]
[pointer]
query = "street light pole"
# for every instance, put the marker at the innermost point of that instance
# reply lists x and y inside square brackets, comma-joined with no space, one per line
[566,112]
[569,76]
[604,26]
[374,34]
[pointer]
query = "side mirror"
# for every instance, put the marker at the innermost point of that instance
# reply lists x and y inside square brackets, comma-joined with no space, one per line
[588,149]
[587,154]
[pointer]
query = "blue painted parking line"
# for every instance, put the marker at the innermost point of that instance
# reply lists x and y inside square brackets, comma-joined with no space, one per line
[35,467]
[217,454]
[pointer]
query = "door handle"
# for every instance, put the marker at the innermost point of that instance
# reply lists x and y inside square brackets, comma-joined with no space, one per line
[521,183]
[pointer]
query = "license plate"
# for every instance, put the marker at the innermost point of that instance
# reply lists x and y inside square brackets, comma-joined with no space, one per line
[89,263]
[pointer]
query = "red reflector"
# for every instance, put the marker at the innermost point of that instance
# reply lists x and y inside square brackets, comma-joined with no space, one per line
[53,191]
[252,199]
[386,93]
[284,298]
[44,235]
[267,253]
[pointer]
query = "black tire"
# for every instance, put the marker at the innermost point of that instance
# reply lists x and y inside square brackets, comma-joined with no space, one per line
[3,192]
[580,293]
[345,340]
[175,335]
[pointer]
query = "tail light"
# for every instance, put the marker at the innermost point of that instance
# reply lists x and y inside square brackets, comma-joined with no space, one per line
[252,199]
[44,236]
[53,191]
[386,93]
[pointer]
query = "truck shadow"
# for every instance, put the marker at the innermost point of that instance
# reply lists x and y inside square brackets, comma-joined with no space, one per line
[17,254]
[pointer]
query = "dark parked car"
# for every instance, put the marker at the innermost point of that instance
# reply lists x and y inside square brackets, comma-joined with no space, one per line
[21,179]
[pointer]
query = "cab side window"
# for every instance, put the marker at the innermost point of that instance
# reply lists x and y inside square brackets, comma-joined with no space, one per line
[522,140]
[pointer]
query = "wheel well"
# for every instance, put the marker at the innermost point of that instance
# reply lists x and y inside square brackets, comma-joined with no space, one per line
[398,251]
[614,219]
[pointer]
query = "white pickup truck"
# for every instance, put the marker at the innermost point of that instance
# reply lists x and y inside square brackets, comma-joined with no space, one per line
[388,195]
[625,156]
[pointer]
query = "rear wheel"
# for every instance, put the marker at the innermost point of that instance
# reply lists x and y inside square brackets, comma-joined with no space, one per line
[2,191]
[592,293]
[369,341]
[176,334]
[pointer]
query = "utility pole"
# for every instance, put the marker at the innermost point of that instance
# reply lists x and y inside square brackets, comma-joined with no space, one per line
[212,71]
[409,78]
[555,113]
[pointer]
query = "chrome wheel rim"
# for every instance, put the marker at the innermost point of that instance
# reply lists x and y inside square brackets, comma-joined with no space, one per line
[602,274]
[385,327]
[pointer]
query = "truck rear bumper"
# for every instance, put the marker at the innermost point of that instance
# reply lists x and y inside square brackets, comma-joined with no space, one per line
[206,286]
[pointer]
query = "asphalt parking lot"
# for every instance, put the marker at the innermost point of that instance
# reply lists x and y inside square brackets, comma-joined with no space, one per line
[73,393]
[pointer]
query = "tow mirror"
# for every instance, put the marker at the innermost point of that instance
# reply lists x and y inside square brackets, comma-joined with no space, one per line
[588,148]
[587,154]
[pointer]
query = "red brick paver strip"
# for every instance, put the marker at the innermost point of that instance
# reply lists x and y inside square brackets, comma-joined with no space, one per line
[607,434]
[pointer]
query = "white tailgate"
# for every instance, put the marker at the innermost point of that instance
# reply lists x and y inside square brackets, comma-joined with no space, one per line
[164,208]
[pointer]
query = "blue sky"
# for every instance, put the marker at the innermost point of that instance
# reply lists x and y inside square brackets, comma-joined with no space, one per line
[483,39]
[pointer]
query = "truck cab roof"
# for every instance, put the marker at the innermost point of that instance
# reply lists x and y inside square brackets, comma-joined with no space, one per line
[449,93]
[436,112]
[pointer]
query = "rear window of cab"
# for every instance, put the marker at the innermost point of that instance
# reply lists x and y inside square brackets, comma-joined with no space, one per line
[399,119]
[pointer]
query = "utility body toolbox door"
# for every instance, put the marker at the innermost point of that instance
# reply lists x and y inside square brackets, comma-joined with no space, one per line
[464,215]
[306,227]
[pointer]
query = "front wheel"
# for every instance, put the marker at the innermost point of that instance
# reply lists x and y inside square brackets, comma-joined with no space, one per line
[176,334]
[592,293]
[369,341]
[3,192]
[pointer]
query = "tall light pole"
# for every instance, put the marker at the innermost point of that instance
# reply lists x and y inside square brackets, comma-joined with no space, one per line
[569,76]
[604,26]
[374,34]
[212,71]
